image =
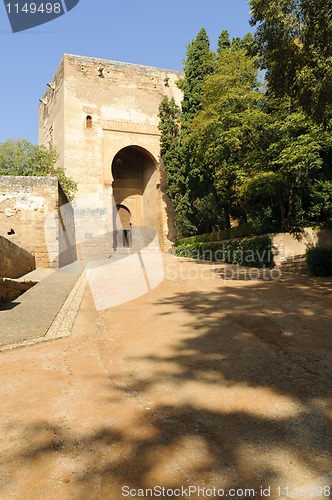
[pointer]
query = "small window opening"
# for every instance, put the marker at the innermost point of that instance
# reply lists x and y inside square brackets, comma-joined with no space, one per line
[88,121]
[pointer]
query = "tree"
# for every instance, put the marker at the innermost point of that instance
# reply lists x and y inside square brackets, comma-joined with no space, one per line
[172,158]
[294,39]
[223,134]
[188,186]
[198,64]
[269,162]
[21,157]
[223,41]
[290,187]
[244,153]
[202,210]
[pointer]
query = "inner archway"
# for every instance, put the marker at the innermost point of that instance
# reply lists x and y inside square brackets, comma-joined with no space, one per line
[123,215]
[135,186]
[121,227]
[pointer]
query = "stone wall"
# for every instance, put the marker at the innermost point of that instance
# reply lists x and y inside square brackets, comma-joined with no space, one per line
[286,246]
[25,204]
[14,261]
[51,114]
[10,289]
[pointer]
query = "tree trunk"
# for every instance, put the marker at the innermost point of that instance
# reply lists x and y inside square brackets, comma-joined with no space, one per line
[227,218]
[290,207]
[282,210]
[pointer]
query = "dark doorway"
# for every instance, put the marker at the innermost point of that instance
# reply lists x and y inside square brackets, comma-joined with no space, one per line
[122,227]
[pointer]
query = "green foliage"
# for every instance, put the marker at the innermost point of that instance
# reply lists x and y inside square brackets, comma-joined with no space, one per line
[240,231]
[203,208]
[282,183]
[200,238]
[21,157]
[199,62]
[173,161]
[190,186]
[224,42]
[240,150]
[267,157]
[254,252]
[170,148]
[320,203]
[226,129]
[319,261]
[294,39]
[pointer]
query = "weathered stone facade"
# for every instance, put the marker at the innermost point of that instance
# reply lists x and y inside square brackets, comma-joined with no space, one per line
[102,117]
[26,203]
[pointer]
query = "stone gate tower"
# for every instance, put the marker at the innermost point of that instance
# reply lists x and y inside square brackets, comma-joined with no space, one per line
[102,118]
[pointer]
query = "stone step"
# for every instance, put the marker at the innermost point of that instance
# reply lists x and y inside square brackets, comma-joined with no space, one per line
[296,264]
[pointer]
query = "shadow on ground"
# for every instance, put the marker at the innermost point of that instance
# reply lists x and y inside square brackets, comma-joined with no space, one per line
[239,398]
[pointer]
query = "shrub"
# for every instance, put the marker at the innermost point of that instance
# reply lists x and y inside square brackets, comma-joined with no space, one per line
[319,261]
[241,231]
[255,252]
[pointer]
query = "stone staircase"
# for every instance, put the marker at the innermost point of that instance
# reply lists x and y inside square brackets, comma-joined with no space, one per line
[296,264]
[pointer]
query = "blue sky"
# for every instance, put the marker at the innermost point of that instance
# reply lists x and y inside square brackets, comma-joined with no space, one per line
[149,32]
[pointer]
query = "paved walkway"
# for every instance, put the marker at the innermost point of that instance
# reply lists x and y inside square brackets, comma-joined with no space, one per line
[30,317]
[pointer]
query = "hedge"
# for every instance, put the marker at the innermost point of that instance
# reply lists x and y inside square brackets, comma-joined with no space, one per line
[254,252]
[240,231]
[319,261]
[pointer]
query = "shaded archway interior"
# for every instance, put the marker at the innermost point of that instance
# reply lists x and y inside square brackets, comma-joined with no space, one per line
[132,166]
[135,185]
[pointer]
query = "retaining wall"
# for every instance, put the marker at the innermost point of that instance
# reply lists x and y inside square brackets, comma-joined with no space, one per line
[14,261]
[10,290]
[25,204]
[286,246]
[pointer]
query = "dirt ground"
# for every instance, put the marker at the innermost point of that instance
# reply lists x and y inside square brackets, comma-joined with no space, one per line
[207,387]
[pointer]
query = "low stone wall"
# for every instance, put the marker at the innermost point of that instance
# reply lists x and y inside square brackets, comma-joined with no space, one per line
[14,261]
[287,246]
[25,204]
[10,290]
